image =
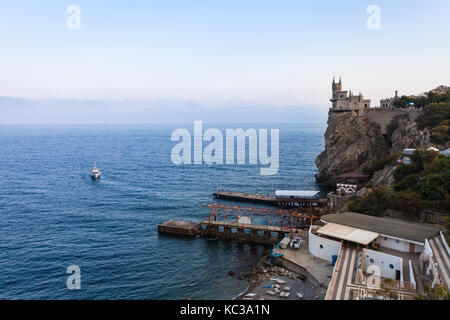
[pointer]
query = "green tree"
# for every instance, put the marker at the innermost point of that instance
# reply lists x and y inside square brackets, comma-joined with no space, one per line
[375,203]
[439,292]
[386,290]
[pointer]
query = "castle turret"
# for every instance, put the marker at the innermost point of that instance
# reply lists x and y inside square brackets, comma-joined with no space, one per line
[335,87]
[342,100]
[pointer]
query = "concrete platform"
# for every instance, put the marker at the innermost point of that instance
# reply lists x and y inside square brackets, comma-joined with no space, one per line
[182,228]
[300,261]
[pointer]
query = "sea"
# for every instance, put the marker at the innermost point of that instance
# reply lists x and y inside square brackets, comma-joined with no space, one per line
[53,215]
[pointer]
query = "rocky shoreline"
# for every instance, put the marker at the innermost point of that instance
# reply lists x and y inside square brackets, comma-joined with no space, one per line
[265,274]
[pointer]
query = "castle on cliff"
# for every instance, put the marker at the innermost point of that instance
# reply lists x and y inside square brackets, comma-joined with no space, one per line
[343,100]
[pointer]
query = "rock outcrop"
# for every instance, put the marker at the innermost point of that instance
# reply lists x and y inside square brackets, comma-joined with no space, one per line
[384,176]
[353,139]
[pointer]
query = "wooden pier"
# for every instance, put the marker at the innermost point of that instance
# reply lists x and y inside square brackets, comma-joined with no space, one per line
[234,223]
[270,200]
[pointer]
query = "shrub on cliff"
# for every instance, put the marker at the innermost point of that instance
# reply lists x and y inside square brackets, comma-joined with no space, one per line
[420,102]
[374,204]
[427,175]
[381,163]
[404,170]
[434,186]
[408,182]
[420,160]
[436,117]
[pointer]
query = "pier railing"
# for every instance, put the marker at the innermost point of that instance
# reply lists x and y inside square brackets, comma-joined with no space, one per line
[284,219]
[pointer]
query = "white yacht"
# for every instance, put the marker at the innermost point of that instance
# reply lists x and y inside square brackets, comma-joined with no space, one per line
[95,173]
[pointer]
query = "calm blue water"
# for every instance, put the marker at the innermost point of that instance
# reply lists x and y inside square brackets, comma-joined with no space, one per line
[52,214]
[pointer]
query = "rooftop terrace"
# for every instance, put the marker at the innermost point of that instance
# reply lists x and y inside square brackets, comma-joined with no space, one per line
[384,226]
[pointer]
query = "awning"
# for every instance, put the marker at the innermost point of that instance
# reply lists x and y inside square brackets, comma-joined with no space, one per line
[348,233]
[295,194]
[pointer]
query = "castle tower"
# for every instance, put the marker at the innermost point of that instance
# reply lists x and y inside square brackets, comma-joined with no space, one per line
[342,100]
[335,87]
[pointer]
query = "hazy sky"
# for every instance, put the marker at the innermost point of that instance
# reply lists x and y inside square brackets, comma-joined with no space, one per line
[227,52]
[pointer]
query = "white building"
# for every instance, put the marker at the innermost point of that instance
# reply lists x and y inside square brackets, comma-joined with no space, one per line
[388,103]
[393,233]
[367,249]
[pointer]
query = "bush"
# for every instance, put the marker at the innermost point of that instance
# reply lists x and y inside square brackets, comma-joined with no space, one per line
[434,186]
[408,182]
[381,163]
[374,204]
[404,170]
[428,175]
[420,160]
[436,117]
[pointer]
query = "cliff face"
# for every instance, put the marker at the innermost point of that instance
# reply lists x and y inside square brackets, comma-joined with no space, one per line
[353,140]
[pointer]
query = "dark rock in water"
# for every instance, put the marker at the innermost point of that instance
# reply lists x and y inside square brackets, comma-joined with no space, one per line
[231,273]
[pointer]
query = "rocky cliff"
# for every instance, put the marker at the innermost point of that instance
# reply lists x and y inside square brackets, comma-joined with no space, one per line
[352,140]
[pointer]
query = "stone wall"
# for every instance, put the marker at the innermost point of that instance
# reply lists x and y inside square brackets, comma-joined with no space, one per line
[336,202]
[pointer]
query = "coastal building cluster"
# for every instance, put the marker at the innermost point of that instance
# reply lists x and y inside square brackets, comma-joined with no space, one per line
[350,255]
[388,103]
[346,255]
[343,100]
[368,251]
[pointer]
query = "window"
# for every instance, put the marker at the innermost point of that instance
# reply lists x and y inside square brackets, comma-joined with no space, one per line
[391,266]
[321,246]
[371,261]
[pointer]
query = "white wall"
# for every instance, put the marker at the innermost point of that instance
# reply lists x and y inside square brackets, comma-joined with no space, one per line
[397,244]
[329,247]
[427,256]
[383,261]
[411,274]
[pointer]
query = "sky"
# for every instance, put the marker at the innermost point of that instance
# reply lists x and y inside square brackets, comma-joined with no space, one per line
[216,55]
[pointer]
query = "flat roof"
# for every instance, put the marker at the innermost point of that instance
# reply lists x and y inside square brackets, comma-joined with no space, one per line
[339,231]
[384,226]
[296,193]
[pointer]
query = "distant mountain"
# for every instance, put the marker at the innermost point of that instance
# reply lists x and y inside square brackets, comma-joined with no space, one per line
[48,111]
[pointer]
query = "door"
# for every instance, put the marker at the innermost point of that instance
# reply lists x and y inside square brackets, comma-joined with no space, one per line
[397,275]
[412,248]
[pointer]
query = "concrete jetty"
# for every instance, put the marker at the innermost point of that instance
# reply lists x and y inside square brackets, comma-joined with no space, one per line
[182,228]
[226,230]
